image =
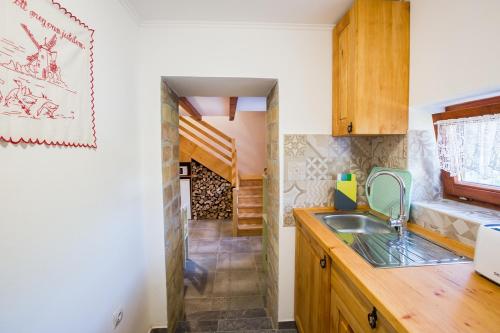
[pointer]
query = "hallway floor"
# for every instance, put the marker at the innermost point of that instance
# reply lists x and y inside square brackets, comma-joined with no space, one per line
[224,281]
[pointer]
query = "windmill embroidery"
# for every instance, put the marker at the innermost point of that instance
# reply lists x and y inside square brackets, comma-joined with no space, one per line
[46,75]
[42,64]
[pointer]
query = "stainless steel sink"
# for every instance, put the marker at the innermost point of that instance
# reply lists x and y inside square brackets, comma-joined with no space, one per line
[355,222]
[382,246]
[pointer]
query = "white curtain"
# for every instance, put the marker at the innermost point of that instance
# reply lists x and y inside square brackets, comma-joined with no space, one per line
[470,148]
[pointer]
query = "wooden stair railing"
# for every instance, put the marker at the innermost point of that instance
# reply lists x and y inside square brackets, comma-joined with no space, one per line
[214,142]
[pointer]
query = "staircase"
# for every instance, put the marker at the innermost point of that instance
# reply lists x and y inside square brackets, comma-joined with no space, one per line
[214,149]
[209,146]
[247,207]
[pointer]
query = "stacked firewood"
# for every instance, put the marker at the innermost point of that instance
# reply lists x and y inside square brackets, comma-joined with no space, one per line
[212,196]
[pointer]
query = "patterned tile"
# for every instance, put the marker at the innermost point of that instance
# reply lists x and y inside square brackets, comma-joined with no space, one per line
[295,145]
[390,151]
[317,146]
[317,168]
[295,169]
[453,219]
[423,165]
[319,193]
[312,163]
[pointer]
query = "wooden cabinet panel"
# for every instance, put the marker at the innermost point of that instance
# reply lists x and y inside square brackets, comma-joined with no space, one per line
[371,69]
[312,285]
[350,307]
[343,326]
[343,74]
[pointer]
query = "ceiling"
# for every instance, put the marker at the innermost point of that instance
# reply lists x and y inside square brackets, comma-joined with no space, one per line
[219,106]
[258,11]
[219,86]
[210,95]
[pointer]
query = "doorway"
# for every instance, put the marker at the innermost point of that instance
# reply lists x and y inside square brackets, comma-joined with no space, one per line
[218,279]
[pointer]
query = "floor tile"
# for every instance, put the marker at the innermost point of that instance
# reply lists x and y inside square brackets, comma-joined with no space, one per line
[198,285]
[201,261]
[224,280]
[246,302]
[204,233]
[244,324]
[194,305]
[236,261]
[203,246]
[245,313]
[197,326]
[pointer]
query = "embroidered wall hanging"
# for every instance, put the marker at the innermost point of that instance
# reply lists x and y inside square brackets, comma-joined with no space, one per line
[46,75]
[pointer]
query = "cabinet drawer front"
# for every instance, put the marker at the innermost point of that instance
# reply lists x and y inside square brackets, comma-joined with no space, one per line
[312,285]
[354,305]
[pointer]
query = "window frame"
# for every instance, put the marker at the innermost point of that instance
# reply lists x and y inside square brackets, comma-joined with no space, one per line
[453,188]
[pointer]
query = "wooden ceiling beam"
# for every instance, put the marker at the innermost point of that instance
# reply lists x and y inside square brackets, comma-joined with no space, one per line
[189,108]
[233,102]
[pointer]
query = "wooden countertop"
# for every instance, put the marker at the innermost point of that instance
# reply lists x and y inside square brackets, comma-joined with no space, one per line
[443,298]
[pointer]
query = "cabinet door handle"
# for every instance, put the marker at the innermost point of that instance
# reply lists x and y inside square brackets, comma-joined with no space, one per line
[349,128]
[372,318]
[322,262]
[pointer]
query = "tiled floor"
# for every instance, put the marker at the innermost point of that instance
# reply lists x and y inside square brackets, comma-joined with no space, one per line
[222,272]
[224,281]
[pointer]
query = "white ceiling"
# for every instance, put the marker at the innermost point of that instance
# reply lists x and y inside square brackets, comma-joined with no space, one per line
[210,106]
[220,86]
[219,106]
[259,11]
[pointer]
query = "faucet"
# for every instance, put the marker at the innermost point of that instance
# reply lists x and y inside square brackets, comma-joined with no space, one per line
[400,221]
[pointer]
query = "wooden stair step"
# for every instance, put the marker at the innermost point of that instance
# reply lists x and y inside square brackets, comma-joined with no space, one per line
[251,180]
[252,187]
[250,226]
[243,216]
[243,195]
[249,229]
[250,205]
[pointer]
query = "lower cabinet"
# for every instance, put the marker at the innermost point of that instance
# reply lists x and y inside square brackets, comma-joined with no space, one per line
[351,312]
[312,285]
[326,301]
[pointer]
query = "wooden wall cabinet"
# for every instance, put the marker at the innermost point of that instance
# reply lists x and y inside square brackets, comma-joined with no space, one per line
[312,285]
[371,69]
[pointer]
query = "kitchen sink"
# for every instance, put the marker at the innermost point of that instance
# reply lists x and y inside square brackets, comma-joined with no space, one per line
[383,246]
[356,223]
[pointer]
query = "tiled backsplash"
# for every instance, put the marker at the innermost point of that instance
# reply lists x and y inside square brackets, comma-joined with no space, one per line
[453,219]
[423,164]
[312,163]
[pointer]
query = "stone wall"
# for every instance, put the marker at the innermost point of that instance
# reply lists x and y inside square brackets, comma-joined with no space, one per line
[212,195]
[312,163]
[173,227]
[272,204]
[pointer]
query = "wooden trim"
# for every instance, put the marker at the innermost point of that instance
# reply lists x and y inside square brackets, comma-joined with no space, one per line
[480,103]
[234,157]
[218,132]
[233,102]
[208,145]
[205,133]
[453,188]
[189,108]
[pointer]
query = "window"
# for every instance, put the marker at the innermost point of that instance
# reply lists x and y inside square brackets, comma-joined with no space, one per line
[468,137]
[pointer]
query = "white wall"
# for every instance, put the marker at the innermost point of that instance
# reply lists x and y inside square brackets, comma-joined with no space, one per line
[299,59]
[249,131]
[71,243]
[454,54]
